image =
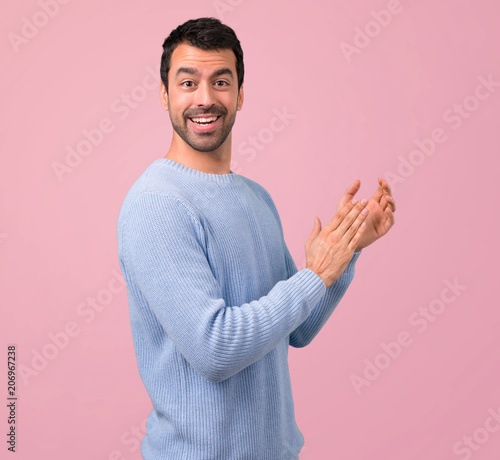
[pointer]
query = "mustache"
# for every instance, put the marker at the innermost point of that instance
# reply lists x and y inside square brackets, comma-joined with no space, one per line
[212,111]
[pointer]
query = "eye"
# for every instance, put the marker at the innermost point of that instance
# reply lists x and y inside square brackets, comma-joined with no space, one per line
[224,83]
[187,81]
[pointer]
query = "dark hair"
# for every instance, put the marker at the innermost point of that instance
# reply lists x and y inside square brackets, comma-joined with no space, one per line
[206,34]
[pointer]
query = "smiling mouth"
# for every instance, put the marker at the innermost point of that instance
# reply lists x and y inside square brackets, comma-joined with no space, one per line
[202,121]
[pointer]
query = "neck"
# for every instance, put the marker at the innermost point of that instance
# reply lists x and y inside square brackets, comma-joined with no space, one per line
[213,162]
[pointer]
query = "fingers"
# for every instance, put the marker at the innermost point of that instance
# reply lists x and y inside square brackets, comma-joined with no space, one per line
[353,189]
[345,216]
[353,220]
[339,216]
[356,229]
[385,186]
[342,213]
[390,219]
[349,194]
[386,198]
[387,202]
[378,193]
[353,244]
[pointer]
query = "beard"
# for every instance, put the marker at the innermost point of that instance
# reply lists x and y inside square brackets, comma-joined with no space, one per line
[204,142]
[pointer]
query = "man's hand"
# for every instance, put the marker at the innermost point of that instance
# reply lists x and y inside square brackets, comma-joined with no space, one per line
[381,216]
[329,250]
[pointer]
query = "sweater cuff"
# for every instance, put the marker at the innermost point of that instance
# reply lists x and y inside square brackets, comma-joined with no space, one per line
[355,257]
[310,283]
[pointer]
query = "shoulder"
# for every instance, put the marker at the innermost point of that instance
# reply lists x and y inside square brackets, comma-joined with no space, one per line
[152,215]
[152,194]
[159,206]
[156,222]
[258,189]
[265,197]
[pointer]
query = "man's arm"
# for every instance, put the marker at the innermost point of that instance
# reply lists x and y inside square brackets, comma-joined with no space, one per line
[305,333]
[381,207]
[165,260]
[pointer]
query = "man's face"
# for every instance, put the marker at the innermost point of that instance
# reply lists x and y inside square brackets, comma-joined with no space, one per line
[203,96]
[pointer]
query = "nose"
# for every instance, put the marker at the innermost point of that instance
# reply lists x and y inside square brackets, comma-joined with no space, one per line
[204,95]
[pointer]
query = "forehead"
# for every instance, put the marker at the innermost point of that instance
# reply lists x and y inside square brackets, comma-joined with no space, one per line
[185,55]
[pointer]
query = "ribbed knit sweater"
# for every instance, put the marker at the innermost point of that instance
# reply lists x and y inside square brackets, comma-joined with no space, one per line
[215,300]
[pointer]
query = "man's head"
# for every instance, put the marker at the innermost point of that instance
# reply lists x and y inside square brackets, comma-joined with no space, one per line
[202,77]
[206,34]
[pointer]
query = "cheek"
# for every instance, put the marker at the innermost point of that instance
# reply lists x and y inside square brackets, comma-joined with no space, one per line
[230,103]
[179,104]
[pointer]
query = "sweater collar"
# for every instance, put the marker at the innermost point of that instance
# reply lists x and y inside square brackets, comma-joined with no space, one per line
[220,178]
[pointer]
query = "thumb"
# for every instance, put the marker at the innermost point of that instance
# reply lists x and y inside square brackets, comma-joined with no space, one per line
[349,194]
[315,231]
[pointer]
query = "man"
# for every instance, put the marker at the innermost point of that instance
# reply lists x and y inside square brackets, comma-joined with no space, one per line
[215,297]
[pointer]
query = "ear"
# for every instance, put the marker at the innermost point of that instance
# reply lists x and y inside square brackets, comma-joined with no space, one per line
[240,98]
[163,96]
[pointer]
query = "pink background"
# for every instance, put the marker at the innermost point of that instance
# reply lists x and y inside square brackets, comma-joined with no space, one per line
[355,115]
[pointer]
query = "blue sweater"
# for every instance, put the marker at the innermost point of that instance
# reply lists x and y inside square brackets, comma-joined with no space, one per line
[215,300]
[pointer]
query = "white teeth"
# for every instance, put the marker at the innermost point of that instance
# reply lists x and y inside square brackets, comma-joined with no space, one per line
[204,120]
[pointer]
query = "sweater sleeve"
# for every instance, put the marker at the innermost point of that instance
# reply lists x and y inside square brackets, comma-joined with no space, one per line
[305,333]
[166,260]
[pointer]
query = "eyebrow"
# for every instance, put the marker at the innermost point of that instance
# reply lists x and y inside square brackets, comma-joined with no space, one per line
[193,71]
